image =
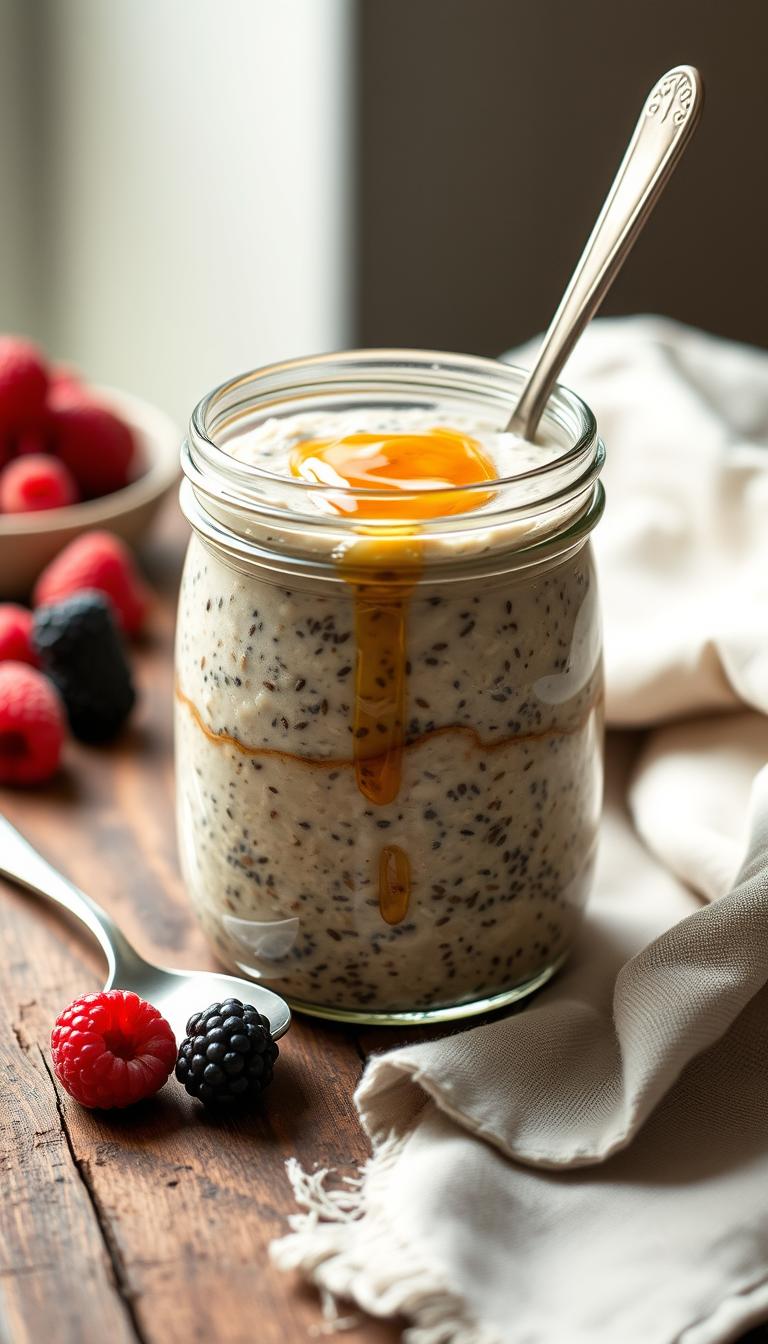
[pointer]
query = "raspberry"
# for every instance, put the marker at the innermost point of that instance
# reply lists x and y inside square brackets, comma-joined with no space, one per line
[36,481]
[36,439]
[81,650]
[97,447]
[227,1055]
[97,560]
[112,1049]
[31,725]
[64,381]
[23,382]
[16,634]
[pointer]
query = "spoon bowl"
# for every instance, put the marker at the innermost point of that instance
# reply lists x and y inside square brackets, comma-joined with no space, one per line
[179,994]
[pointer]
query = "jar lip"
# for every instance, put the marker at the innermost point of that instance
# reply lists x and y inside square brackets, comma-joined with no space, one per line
[216,532]
[371,371]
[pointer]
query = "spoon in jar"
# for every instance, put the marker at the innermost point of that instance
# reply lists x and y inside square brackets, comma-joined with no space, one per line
[176,994]
[667,122]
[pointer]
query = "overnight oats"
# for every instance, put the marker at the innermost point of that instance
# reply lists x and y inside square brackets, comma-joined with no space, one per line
[389,686]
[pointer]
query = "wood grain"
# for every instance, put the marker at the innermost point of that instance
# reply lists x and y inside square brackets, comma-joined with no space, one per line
[151,1225]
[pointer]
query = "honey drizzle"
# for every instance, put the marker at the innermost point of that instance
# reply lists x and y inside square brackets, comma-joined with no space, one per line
[382,598]
[394,884]
[382,572]
[416,464]
[489,745]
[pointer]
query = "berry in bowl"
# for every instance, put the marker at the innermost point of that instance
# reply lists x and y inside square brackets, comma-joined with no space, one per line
[72,458]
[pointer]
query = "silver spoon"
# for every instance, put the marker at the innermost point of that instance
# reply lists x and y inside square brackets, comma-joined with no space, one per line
[667,122]
[177,994]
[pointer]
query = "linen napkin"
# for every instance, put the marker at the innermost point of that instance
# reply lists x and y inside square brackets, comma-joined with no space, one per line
[594,1169]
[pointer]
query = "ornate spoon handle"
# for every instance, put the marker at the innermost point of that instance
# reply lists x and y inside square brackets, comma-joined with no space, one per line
[667,122]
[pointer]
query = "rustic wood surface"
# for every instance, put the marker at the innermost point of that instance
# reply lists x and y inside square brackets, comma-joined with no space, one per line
[150,1225]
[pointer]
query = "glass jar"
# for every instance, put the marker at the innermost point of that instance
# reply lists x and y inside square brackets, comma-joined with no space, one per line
[389,735]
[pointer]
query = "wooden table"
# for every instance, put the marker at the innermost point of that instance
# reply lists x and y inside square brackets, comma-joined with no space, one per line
[150,1225]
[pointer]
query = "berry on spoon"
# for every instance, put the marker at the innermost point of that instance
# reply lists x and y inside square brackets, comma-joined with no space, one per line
[228,1054]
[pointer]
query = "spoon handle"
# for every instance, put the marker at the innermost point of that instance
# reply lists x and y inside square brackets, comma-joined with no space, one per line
[667,122]
[21,863]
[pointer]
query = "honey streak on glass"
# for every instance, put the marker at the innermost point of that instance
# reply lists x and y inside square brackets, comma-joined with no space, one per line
[382,570]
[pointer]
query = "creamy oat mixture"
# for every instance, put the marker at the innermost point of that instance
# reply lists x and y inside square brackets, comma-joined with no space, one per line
[270,445]
[466,875]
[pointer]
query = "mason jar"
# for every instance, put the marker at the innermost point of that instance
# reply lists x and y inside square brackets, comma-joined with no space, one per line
[389,716]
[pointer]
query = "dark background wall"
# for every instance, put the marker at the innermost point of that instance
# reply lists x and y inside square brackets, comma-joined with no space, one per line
[488,133]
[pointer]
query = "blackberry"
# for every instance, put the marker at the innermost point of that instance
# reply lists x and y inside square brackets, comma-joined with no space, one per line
[81,650]
[227,1054]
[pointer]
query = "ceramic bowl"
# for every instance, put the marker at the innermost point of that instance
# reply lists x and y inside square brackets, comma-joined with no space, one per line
[29,540]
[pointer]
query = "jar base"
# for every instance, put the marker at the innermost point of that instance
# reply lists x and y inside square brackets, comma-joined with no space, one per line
[428,1016]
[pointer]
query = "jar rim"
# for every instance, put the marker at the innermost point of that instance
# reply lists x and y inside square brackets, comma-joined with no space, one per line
[258,513]
[438,371]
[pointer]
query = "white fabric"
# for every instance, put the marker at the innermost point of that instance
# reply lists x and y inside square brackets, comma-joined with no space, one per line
[594,1169]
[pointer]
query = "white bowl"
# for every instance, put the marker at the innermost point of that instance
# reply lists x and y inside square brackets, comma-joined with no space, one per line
[29,540]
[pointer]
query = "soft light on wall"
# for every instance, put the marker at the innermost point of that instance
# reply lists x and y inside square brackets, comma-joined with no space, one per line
[182,212]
